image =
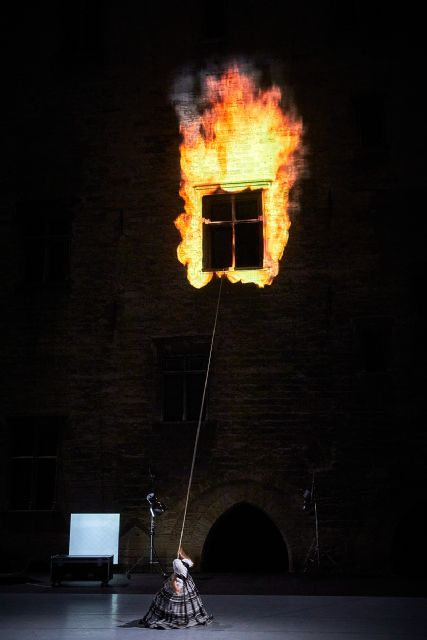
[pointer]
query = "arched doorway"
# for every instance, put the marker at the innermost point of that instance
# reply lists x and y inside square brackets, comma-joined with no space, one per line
[244,539]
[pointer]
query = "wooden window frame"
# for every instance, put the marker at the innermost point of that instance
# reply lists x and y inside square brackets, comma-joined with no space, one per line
[234,198]
[184,348]
[32,458]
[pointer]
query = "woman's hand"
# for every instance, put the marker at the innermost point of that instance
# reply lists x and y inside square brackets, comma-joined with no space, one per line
[176,586]
[182,555]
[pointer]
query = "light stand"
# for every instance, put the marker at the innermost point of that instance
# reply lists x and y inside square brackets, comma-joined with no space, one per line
[310,504]
[152,530]
[156,509]
[314,556]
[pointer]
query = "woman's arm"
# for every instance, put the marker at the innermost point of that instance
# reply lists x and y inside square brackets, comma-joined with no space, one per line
[183,556]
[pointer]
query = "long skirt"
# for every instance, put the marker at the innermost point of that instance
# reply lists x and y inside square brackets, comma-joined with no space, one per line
[170,610]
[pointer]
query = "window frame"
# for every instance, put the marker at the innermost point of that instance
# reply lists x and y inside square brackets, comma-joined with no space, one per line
[35,423]
[233,191]
[185,348]
[183,373]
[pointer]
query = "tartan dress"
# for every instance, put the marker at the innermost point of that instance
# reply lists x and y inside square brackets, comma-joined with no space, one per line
[170,610]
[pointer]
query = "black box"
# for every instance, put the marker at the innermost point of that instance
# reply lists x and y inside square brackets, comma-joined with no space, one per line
[64,567]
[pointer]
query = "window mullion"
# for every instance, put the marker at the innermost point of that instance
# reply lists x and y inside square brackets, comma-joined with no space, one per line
[233,221]
[261,219]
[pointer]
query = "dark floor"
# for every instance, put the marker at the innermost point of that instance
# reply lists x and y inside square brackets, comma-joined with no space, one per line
[65,615]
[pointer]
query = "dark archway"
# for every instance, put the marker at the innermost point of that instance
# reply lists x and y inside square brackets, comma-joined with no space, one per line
[245,539]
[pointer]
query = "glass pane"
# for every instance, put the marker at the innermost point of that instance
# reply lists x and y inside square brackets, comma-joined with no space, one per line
[219,247]
[173,397]
[195,384]
[20,484]
[196,363]
[220,211]
[45,474]
[249,245]
[217,208]
[173,363]
[247,207]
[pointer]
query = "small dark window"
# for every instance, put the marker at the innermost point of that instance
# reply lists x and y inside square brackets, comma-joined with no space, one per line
[34,442]
[46,231]
[181,367]
[233,231]
[183,383]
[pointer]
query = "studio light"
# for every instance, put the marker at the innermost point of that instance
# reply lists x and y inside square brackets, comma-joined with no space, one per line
[156,507]
[308,500]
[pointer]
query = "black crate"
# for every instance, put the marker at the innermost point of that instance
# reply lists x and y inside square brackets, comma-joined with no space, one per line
[63,567]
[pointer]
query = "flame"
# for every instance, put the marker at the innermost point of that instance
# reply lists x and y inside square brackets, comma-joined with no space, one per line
[242,139]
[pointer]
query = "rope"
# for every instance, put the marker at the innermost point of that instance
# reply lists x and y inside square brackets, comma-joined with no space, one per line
[196,442]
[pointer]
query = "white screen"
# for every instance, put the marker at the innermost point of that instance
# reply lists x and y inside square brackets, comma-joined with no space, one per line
[95,534]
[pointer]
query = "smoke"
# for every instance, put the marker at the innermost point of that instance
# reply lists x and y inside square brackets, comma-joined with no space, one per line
[191,85]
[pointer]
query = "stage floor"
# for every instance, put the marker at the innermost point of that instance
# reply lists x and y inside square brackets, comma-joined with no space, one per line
[113,616]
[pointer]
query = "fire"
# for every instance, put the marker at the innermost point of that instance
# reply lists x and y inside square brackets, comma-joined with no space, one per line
[241,139]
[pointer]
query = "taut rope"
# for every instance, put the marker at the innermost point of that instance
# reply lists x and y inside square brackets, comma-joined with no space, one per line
[196,442]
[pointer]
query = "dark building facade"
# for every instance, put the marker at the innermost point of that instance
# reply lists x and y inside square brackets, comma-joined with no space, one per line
[105,342]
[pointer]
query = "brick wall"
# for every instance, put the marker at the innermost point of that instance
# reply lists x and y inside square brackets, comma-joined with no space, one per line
[289,391]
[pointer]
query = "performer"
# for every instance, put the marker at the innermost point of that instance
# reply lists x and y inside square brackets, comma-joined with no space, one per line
[178,604]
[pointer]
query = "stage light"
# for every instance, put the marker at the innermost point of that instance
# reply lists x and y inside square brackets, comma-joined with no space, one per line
[156,507]
[95,534]
[308,500]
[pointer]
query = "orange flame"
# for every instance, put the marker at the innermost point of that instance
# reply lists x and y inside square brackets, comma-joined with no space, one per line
[242,139]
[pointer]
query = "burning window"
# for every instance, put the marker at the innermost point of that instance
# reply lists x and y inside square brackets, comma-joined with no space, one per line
[240,157]
[33,462]
[233,231]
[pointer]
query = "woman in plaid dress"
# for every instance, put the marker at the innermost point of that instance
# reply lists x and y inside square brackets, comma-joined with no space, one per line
[178,604]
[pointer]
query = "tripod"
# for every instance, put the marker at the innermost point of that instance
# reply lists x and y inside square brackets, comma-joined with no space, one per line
[156,509]
[312,559]
[310,503]
[153,557]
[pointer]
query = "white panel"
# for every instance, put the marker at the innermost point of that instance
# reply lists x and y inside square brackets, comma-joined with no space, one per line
[95,534]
